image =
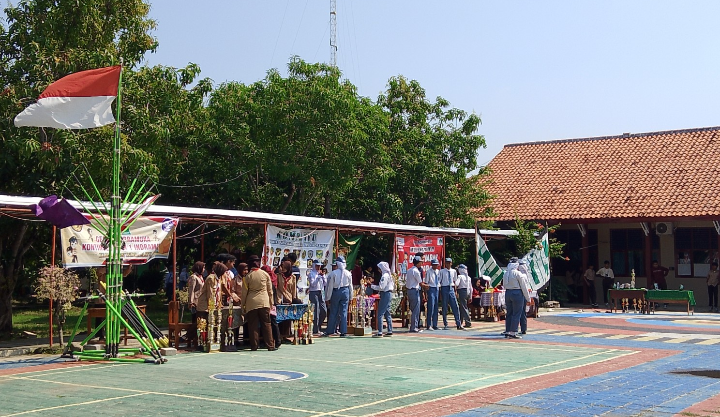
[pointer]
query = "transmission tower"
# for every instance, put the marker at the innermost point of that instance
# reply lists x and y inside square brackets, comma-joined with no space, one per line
[333,33]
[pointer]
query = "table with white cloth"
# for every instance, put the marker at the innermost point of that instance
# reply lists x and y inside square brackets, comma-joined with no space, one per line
[494,304]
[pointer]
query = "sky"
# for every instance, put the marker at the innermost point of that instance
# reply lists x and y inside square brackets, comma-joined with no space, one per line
[532,70]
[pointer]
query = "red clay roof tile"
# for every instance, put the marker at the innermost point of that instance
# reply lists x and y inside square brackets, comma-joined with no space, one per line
[671,174]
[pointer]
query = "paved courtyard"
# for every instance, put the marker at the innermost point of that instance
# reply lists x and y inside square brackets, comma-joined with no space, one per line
[570,364]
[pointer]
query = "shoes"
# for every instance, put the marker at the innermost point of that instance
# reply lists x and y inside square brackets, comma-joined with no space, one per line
[323,335]
[468,325]
[377,335]
[415,331]
[665,306]
[343,335]
[446,328]
[388,335]
[503,334]
[460,328]
[435,328]
[515,336]
[272,349]
[595,305]
[428,328]
[523,332]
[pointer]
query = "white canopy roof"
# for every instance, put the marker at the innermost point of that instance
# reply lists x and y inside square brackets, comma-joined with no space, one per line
[20,206]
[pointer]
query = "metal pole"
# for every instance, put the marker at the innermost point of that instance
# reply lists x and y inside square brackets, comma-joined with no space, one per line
[52,263]
[175,264]
[202,244]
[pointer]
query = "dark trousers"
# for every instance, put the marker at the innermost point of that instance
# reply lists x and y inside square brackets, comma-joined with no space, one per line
[591,292]
[607,284]
[275,331]
[261,317]
[713,295]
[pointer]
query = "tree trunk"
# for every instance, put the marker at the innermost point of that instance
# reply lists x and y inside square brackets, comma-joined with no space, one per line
[5,311]
[60,332]
[327,206]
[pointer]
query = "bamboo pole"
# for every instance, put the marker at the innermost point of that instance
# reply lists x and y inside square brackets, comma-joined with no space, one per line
[52,263]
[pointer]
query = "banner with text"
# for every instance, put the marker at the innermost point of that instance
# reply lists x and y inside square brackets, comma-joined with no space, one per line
[539,264]
[307,244]
[431,247]
[148,238]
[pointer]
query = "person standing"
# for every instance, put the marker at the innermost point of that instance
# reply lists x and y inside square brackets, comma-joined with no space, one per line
[448,276]
[273,308]
[195,283]
[712,284]
[413,278]
[511,266]
[463,283]
[658,274]
[256,301]
[337,293]
[589,278]
[608,279]
[316,282]
[432,283]
[237,317]
[386,288]
[522,267]
[516,297]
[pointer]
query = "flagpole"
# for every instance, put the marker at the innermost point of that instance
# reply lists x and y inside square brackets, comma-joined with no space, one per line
[114,262]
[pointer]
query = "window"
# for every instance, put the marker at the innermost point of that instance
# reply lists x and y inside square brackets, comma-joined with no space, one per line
[695,249]
[627,249]
[573,250]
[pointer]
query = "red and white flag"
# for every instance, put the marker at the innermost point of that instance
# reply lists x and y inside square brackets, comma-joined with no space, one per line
[78,101]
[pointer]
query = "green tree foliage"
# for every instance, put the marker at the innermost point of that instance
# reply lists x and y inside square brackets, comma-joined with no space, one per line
[40,42]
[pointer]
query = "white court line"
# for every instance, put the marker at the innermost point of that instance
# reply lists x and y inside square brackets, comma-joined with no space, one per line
[483,387]
[507,344]
[708,342]
[683,335]
[593,334]
[471,381]
[39,410]
[193,397]
[408,353]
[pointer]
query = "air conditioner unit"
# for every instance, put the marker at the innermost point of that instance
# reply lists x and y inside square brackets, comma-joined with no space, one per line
[663,228]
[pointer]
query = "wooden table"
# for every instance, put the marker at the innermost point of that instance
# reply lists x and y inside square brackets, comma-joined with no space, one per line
[673,297]
[639,295]
[97,312]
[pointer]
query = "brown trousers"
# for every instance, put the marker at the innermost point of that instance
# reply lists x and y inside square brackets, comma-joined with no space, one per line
[261,317]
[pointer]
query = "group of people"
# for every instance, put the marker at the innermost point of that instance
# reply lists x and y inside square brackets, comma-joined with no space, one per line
[439,287]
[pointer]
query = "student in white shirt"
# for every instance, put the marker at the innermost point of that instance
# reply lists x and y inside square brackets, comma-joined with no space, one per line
[412,283]
[432,286]
[386,288]
[448,275]
[337,293]
[316,283]
[463,283]
[516,298]
[608,280]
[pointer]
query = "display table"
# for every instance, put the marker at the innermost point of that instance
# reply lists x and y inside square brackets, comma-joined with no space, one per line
[301,316]
[672,297]
[637,295]
[99,312]
[494,304]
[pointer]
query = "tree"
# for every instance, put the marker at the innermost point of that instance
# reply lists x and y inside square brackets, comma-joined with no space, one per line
[430,149]
[61,286]
[41,41]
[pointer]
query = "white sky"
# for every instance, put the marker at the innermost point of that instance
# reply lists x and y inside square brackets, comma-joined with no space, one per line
[533,70]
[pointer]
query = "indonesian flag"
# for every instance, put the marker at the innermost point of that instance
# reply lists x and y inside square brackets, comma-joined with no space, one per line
[78,101]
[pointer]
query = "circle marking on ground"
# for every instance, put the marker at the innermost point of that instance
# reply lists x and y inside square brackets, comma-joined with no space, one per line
[259,376]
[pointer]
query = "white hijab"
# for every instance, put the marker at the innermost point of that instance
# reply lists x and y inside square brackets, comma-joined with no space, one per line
[384,268]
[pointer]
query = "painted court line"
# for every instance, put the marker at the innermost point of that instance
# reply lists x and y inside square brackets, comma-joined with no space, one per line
[409,353]
[512,381]
[40,410]
[619,336]
[471,381]
[192,397]
[708,342]
[353,363]
[593,335]
[493,342]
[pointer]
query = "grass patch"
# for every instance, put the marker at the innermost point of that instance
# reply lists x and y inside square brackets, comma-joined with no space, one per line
[34,319]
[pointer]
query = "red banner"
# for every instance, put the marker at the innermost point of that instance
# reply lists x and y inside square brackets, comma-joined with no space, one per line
[406,247]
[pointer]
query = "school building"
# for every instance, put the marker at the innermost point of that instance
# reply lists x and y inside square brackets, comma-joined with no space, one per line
[631,199]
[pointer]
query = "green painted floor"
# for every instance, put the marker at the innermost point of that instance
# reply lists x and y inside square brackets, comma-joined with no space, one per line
[346,377]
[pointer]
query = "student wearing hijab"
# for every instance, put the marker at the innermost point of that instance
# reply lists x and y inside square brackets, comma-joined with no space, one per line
[337,293]
[273,308]
[195,283]
[522,267]
[386,288]
[516,297]
[256,301]
[463,283]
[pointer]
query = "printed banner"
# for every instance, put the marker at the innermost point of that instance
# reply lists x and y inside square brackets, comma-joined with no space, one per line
[539,264]
[148,238]
[349,246]
[486,263]
[307,244]
[431,247]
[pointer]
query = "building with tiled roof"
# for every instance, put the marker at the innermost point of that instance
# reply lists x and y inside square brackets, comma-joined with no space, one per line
[629,199]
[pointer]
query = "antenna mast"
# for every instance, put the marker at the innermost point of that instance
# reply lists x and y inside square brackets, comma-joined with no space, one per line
[333,33]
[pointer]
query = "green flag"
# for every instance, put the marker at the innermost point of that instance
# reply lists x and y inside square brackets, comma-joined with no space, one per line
[538,261]
[486,262]
[349,246]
